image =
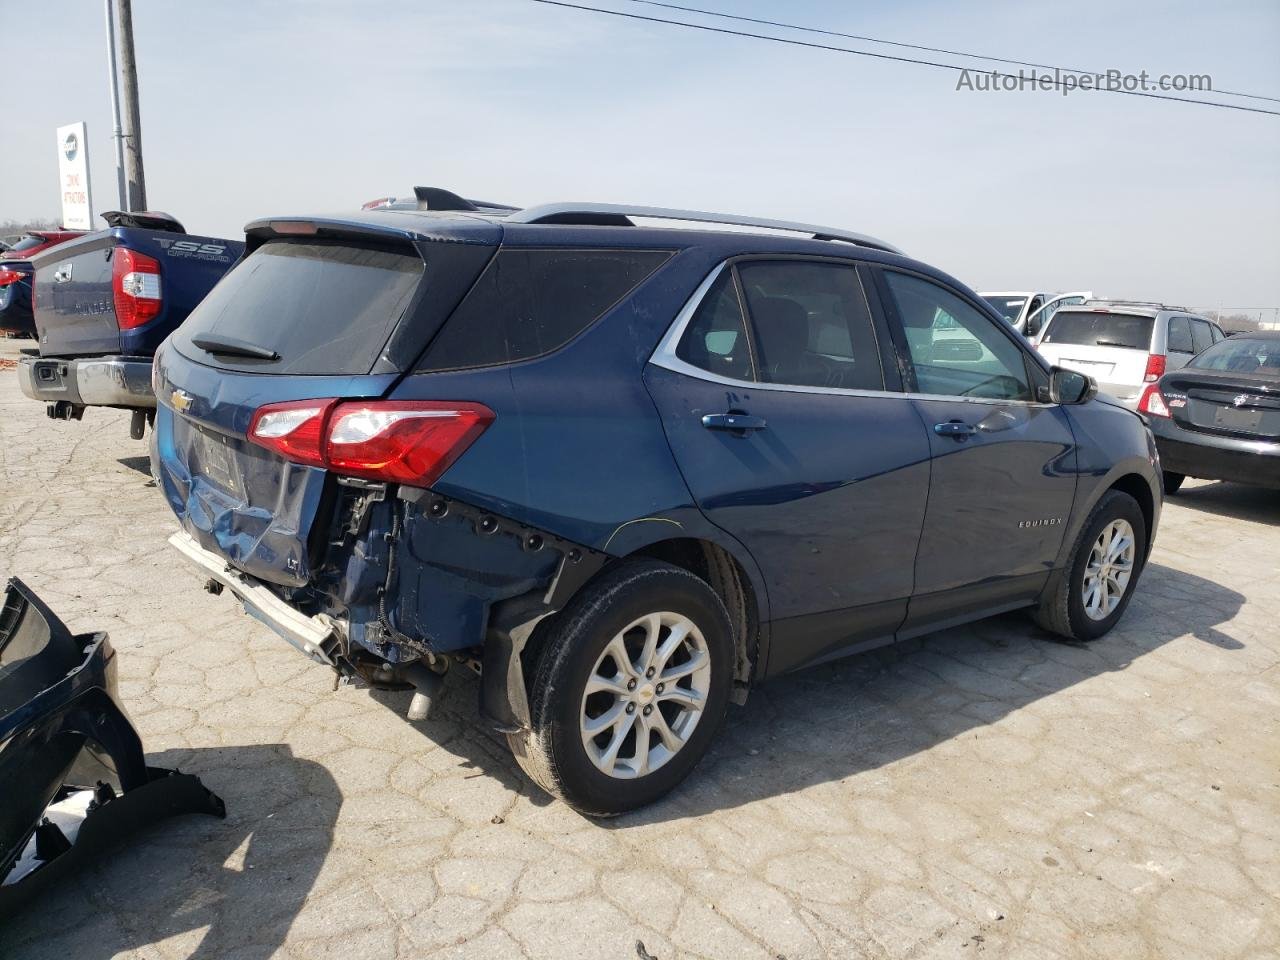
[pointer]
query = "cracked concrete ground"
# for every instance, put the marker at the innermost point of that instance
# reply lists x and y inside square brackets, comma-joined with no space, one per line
[984,791]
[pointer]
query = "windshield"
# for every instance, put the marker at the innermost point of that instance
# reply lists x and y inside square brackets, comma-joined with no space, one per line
[1100,330]
[1246,355]
[1008,307]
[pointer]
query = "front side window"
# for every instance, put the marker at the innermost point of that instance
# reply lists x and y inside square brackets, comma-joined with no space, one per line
[811,324]
[716,338]
[955,350]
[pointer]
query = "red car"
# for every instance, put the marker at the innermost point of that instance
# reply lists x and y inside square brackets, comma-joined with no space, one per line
[15,278]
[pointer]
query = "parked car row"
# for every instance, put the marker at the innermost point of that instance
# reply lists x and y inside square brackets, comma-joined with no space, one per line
[623,472]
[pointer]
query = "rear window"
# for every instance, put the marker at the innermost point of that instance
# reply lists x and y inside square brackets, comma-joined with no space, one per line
[1100,330]
[28,242]
[1243,355]
[530,302]
[324,308]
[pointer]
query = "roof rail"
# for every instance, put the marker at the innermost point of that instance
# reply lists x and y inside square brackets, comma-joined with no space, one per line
[618,214]
[1139,303]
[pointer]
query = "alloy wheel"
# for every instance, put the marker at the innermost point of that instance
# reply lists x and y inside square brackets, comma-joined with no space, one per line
[1109,569]
[645,695]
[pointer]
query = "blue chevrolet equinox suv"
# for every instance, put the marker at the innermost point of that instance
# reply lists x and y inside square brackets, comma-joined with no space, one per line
[623,471]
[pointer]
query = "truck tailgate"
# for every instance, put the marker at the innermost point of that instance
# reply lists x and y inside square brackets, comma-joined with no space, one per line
[74,310]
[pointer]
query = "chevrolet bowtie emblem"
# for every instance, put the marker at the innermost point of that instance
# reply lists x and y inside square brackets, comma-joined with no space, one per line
[180,400]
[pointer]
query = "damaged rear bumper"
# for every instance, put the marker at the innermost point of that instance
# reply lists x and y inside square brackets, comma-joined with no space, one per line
[315,636]
[73,776]
[412,577]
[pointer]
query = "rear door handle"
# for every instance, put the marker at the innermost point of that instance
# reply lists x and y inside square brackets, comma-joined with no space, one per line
[733,421]
[955,428]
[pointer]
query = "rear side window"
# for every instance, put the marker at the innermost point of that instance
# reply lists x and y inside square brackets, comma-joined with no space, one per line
[530,302]
[1201,336]
[812,325]
[323,308]
[1180,335]
[1100,330]
[716,339]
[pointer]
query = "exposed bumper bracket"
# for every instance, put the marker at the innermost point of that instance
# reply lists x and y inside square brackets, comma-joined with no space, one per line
[314,636]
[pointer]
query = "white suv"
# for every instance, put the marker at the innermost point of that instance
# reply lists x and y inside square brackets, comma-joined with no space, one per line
[1124,345]
[1027,312]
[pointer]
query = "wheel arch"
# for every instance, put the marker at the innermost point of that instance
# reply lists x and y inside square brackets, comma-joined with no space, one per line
[727,576]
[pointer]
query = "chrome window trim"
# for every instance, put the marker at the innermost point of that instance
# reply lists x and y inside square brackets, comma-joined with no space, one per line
[665,356]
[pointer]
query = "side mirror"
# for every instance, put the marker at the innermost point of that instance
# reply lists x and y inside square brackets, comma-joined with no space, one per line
[1068,386]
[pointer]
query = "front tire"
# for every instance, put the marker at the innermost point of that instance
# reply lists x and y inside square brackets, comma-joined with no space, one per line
[1091,595]
[1172,482]
[628,689]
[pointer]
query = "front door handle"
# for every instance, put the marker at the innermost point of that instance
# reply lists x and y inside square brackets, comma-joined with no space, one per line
[733,421]
[955,428]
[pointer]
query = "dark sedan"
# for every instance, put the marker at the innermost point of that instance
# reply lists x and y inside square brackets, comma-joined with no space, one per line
[1218,418]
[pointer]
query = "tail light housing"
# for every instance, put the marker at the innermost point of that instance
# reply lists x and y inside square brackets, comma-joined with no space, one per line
[1152,402]
[9,276]
[1155,367]
[409,442]
[135,286]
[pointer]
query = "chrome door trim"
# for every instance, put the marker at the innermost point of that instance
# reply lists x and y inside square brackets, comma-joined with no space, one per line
[665,356]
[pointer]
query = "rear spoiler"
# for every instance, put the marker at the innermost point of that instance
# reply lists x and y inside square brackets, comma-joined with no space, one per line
[144,220]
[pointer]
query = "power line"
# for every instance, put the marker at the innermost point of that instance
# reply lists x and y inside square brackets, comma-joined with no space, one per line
[911,46]
[881,56]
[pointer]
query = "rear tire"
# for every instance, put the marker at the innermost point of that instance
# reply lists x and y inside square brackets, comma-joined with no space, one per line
[1172,482]
[1090,596]
[622,637]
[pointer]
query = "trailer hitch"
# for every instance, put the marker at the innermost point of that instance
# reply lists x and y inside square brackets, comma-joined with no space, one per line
[74,781]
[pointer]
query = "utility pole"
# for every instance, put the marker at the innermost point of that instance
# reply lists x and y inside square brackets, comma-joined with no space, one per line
[132,134]
[117,135]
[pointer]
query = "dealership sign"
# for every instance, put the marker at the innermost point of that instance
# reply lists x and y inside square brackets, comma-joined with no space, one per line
[73,176]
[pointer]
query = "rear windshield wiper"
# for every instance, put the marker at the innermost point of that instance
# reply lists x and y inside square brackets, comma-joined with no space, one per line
[1114,343]
[212,343]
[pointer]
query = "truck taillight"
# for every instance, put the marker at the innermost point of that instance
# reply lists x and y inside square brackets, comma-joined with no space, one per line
[1155,367]
[1152,402]
[9,276]
[135,285]
[410,442]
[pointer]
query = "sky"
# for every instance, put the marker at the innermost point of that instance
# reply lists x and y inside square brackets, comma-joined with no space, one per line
[254,108]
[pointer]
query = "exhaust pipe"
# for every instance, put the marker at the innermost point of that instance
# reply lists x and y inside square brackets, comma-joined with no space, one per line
[427,685]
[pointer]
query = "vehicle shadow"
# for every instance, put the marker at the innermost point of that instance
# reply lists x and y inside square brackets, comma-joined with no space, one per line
[1233,500]
[220,887]
[140,464]
[836,720]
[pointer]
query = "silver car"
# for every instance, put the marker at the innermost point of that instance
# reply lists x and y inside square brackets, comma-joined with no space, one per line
[1125,345]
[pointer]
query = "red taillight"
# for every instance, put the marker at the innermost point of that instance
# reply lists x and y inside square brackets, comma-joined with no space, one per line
[1155,367]
[294,430]
[9,276]
[135,283]
[411,442]
[1152,402]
